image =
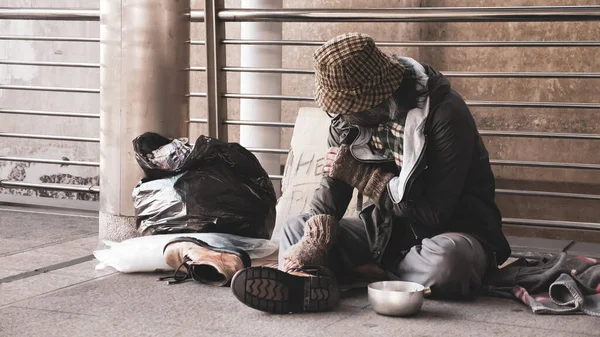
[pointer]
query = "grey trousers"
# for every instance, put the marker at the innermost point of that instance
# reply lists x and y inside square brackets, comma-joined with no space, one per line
[451,264]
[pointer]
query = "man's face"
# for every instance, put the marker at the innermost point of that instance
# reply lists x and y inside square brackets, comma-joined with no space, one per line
[369,118]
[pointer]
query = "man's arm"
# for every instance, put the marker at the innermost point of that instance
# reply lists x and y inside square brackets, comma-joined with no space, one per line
[332,197]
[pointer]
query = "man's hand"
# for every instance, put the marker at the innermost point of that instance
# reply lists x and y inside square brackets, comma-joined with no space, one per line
[369,179]
[320,232]
[330,157]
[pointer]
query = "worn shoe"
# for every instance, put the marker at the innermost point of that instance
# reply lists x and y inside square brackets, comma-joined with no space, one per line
[271,290]
[203,262]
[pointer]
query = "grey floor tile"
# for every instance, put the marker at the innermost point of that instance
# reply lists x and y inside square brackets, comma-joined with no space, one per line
[44,227]
[430,322]
[204,307]
[19,322]
[356,298]
[9,272]
[8,246]
[36,285]
[34,259]
[190,304]
[86,269]
[71,249]
[49,255]
[511,313]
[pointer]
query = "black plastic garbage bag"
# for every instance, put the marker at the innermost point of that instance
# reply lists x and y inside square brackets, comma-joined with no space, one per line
[219,187]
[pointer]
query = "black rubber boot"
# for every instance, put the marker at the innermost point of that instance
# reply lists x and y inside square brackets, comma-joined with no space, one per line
[271,290]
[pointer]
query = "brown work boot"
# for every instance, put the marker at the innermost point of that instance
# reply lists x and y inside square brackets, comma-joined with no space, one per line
[310,289]
[203,262]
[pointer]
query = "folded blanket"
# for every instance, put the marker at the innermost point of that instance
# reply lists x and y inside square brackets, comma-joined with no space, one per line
[554,284]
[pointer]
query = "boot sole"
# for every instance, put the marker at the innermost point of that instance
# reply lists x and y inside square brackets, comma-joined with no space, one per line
[273,291]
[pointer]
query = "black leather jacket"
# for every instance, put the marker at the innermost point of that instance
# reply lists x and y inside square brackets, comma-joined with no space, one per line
[450,187]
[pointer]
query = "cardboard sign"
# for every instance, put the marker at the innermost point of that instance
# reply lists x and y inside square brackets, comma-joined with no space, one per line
[304,167]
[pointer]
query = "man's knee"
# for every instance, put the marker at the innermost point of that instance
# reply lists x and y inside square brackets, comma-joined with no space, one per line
[452,251]
[451,263]
[458,262]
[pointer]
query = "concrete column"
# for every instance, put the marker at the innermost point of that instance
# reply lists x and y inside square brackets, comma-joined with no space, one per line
[261,83]
[143,81]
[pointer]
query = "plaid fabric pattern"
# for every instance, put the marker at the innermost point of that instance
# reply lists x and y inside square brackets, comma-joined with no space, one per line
[353,75]
[388,139]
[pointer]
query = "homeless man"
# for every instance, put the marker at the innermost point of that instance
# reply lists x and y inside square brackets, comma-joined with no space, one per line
[409,143]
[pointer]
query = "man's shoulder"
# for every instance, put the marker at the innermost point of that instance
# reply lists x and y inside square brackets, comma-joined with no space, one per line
[451,111]
[452,105]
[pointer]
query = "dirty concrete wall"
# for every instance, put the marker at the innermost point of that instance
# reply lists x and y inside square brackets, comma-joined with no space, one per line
[559,59]
[49,101]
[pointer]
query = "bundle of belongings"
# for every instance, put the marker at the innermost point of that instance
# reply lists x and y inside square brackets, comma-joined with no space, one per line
[210,187]
[551,284]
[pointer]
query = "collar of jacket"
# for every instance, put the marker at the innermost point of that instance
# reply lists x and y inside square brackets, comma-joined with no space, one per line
[415,138]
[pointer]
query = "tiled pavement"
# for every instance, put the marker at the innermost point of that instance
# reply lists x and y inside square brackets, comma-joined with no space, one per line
[55,291]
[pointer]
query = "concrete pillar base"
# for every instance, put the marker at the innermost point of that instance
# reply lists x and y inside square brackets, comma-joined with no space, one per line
[116,227]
